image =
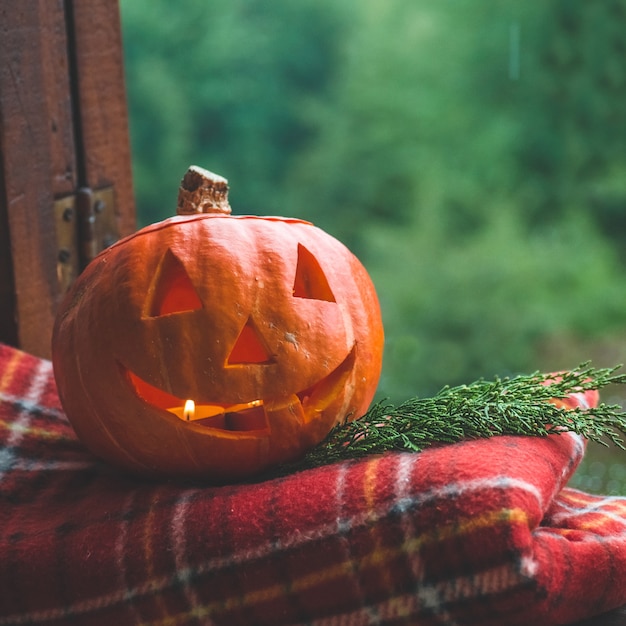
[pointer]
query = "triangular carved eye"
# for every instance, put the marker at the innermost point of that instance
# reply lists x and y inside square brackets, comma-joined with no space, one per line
[249,347]
[172,290]
[310,281]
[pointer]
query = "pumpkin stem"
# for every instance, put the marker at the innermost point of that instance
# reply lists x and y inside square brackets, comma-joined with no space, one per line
[202,191]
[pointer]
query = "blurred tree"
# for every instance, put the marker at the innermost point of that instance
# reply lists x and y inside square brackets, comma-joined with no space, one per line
[224,85]
[572,154]
[423,121]
[456,310]
[367,158]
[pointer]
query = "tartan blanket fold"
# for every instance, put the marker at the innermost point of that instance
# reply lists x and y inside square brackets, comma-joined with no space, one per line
[481,532]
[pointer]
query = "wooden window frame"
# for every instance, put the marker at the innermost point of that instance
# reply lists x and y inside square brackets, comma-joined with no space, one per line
[63,127]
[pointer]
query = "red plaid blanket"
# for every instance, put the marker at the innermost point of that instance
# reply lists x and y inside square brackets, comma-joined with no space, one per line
[482,532]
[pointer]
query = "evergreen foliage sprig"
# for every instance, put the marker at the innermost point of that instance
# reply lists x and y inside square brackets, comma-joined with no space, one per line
[505,406]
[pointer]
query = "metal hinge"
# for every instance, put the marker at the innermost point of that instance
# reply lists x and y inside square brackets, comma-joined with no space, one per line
[85,224]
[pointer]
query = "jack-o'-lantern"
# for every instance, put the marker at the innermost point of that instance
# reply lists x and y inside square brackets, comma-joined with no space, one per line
[270,326]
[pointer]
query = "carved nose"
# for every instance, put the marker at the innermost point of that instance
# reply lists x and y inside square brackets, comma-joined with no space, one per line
[249,347]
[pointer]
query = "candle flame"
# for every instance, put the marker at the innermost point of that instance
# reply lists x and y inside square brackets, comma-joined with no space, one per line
[189,410]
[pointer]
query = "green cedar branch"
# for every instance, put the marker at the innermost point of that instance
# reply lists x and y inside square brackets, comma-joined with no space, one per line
[505,406]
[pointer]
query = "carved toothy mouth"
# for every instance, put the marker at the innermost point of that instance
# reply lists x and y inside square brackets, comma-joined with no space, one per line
[248,416]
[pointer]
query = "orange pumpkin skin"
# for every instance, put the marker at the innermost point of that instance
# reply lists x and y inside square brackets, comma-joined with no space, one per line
[270,318]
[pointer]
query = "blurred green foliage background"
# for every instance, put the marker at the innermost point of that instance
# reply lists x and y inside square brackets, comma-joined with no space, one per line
[472,154]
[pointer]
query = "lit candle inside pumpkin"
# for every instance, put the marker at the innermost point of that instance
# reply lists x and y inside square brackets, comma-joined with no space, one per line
[189,410]
[192,412]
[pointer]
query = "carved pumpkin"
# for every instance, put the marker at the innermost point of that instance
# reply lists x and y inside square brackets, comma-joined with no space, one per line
[270,325]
